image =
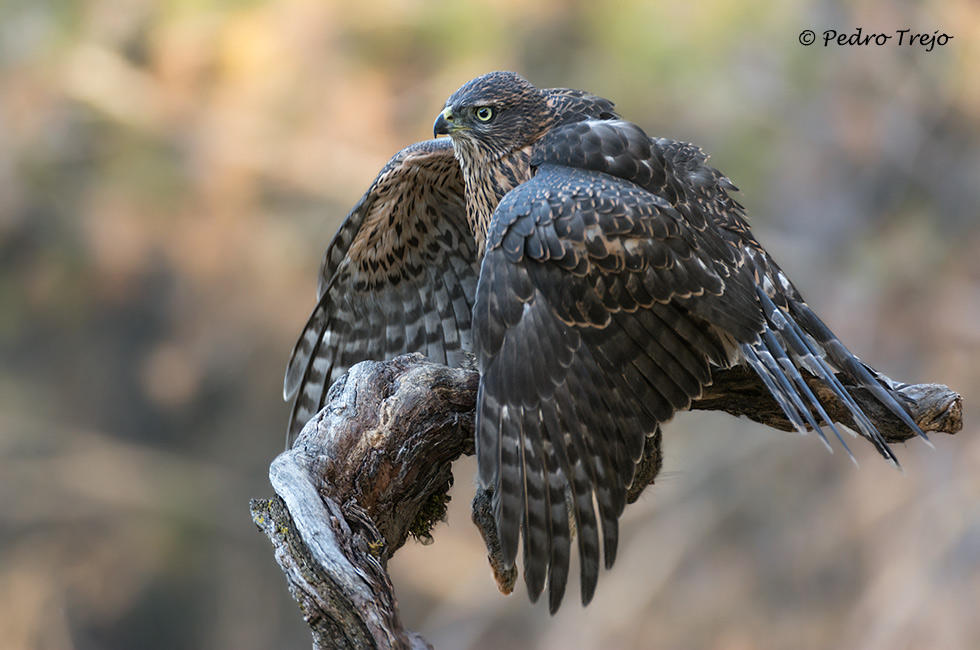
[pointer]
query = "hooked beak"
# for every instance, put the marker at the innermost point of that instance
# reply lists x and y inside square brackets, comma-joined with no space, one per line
[444,123]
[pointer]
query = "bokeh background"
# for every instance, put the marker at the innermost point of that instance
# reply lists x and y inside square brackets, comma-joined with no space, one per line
[171,172]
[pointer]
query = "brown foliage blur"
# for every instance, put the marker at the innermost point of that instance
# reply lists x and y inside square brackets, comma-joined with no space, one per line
[171,172]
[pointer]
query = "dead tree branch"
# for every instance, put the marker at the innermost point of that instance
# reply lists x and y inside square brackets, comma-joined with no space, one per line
[375,465]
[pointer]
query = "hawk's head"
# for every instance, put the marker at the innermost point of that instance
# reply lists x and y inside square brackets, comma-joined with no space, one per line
[494,115]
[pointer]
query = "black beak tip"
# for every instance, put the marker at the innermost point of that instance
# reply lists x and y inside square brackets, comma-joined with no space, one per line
[441,126]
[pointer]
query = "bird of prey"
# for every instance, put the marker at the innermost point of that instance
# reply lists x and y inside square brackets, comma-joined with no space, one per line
[599,276]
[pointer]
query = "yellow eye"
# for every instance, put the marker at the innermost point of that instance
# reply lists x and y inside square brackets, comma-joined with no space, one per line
[484,113]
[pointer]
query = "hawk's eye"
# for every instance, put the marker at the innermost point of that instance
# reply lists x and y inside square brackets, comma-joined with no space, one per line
[484,113]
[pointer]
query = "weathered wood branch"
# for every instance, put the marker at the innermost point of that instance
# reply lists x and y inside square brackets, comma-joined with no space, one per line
[375,465]
[370,468]
[934,407]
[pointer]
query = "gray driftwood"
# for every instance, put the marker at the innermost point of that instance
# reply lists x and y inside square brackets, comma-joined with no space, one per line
[375,464]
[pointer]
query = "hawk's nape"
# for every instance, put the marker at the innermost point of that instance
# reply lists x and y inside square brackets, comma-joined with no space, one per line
[399,276]
[618,273]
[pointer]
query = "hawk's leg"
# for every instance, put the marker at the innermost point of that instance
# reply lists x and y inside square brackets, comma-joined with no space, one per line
[505,577]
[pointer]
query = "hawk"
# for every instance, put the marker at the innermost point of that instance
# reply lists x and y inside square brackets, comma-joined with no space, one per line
[598,275]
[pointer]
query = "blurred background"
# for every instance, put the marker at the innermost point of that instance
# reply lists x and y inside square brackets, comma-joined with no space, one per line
[171,172]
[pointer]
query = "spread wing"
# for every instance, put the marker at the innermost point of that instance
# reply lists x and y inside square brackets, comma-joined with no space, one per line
[792,339]
[614,281]
[399,276]
[585,343]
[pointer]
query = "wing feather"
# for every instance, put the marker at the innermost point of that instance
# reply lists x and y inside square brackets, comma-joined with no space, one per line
[399,276]
[647,299]
[574,350]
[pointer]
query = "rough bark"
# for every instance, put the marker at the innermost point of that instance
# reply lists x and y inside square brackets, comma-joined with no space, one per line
[375,465]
